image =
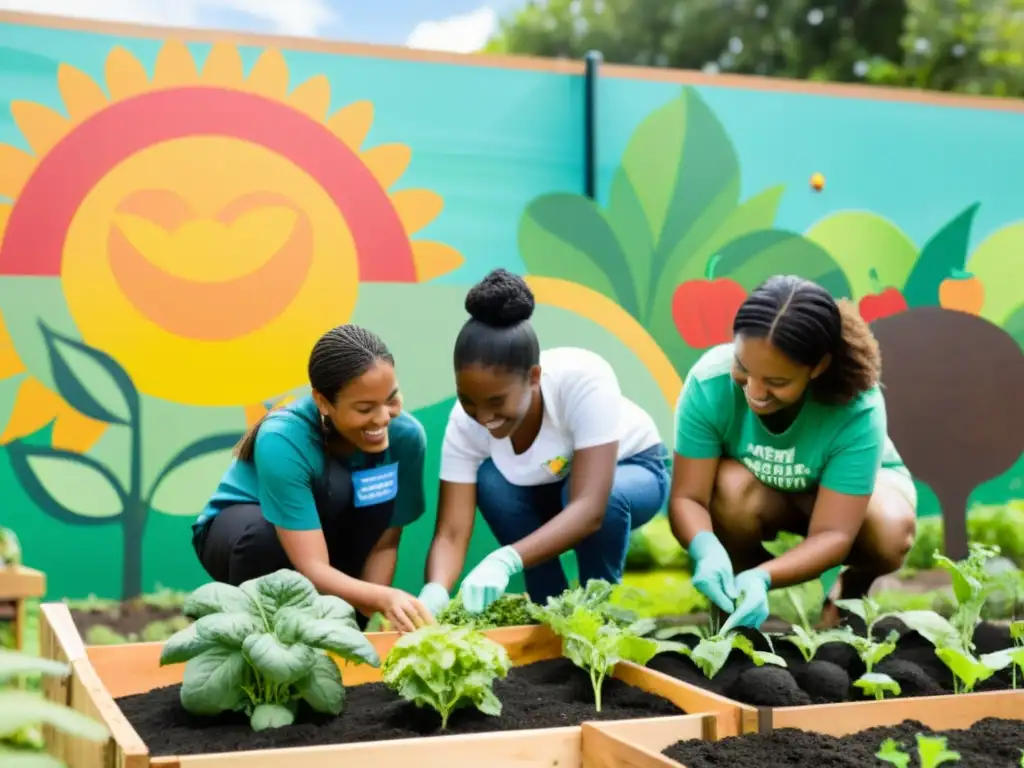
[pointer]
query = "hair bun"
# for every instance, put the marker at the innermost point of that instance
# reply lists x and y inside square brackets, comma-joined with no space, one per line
[500,300]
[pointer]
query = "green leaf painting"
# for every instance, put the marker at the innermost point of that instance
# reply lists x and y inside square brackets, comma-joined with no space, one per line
[945,252]
[70,487]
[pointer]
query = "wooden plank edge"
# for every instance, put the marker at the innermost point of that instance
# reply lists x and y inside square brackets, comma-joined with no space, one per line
[938,712]
[130,748]
[293,43]
[457,750]
[58,633]
[20,582]
[733,718]
[811,88]
[605,749]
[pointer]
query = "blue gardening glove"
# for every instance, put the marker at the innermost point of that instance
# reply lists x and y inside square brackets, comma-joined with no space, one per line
[489,580]
[752,609]
[712,570]
[434,597]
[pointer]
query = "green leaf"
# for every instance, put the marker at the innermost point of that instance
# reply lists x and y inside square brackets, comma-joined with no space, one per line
[967,669]
[20,709]
[567,237]
[297,625]
[213,682]
[266,716]
[639,650]
[932,752]
[183,645]
[281,664]
[711,654]
[929,625]
[217,597]
[14,758]
[322,688]
[945,251]
[859,241]
[68,486]
[877,684]
[626,216]
[15,663]
[891,752]
[228,629]
[195,468]
[331,607]
[753,258]
[281,589]
[91,381]
[998,263]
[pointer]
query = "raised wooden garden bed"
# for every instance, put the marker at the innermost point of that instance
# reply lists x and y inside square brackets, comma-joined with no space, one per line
[18,584]
[125,687]
[984,728]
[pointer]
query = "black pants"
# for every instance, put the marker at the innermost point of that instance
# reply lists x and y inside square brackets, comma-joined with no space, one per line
[239,543]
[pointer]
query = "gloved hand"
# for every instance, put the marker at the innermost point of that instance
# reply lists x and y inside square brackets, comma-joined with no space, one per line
[712,570]
[752,609]
[489,580]
[434,597]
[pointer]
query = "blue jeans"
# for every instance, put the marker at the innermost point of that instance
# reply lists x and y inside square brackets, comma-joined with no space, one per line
[639,490]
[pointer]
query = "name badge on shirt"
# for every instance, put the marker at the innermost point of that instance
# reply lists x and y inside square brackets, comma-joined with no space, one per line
[375,486]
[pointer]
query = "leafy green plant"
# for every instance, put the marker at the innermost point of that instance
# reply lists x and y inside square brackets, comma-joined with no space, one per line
[509,610]
[592,639]
[445,668]
[878,685]
[871,652]
[802,635]
[931,752]
[972,584]
[262,647]
[712,650]
[22,712]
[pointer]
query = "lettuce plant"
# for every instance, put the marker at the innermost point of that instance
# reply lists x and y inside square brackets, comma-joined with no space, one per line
[446,667]
[261,648]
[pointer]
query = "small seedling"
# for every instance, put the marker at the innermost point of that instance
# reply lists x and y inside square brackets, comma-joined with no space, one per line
[877,684]
[712,650]
[931,752]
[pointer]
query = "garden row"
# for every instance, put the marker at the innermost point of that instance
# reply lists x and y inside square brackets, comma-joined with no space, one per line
[273,674]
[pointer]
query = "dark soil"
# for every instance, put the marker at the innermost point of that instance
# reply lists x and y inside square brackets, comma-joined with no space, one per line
[546,694]
[149,618]
[989,743]
[829,677]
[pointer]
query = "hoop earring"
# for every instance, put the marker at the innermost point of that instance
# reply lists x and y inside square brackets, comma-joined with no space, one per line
[323,423]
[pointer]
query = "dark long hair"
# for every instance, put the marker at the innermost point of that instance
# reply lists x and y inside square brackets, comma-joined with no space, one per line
[805,322]
[499,333]
[340,356]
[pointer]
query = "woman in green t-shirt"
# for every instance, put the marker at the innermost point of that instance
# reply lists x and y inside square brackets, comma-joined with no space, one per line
[784,429]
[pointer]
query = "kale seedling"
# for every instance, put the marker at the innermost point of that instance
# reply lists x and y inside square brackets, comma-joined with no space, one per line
[446,667]
[931,752]
[712,650]
[871,652]
[591,639]
[509,610]
[877,684]
[262,647]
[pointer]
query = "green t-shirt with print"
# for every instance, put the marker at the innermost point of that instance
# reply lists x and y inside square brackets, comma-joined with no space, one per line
[839,447]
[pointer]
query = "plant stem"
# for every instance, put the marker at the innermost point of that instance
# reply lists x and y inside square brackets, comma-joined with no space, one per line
[709,271]
[597,680]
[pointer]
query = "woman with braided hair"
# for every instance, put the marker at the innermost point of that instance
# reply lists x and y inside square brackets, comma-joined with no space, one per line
[547,447]
[325,485]
[784,429]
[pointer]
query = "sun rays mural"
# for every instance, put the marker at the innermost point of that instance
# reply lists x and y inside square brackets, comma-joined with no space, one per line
[179,241]
[180,222]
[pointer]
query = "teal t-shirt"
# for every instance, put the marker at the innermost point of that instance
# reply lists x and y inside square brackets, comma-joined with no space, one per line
[839,447]
[289,460]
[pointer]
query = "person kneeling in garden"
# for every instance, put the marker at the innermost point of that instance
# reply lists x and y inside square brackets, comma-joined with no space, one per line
[784,429]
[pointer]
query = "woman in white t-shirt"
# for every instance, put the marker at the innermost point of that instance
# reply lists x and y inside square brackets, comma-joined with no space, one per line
[545,444]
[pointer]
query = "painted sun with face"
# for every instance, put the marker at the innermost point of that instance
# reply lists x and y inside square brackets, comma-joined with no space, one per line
[201,226]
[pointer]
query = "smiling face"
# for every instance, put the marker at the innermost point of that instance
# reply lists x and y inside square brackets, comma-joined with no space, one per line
[770,380]
[497,398]
[364,407]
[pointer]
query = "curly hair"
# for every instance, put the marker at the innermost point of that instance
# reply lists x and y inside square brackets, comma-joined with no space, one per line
[805,322]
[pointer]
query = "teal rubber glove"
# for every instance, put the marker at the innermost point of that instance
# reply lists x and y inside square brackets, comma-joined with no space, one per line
[752,609]
[489,580]
[712,570]
[434,597]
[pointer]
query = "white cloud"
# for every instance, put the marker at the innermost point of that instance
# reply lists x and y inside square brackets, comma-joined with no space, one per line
[287,17]
[465,33]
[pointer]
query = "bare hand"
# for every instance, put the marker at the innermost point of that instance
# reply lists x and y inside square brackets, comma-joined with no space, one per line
[403,611]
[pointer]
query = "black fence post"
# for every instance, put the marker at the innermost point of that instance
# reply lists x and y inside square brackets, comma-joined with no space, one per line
[592,75]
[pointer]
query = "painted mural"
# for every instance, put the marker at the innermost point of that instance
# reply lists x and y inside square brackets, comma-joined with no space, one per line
[180,222]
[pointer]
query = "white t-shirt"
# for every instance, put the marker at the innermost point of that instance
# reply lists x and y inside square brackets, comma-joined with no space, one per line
[583,407]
